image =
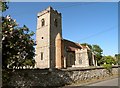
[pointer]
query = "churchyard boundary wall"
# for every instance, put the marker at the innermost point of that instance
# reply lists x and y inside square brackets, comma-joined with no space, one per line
[27,78]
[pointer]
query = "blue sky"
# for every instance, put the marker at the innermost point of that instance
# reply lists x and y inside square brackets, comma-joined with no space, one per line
[83,22]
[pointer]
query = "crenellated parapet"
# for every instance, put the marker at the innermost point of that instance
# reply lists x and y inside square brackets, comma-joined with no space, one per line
[49,9]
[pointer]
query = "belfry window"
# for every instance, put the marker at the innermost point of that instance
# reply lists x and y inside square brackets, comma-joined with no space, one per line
[55,22]
[42,22]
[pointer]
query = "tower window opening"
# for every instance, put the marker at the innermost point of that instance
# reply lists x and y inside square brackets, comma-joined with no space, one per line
[41,55]
[80,61]
[42,22]
[55,22]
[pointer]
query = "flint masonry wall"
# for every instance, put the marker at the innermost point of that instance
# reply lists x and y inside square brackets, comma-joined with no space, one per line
[38,77]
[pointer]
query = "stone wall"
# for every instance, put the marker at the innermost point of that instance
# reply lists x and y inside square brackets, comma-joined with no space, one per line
[47,77]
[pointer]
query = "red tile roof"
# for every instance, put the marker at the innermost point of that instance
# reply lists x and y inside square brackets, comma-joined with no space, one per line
[71,46]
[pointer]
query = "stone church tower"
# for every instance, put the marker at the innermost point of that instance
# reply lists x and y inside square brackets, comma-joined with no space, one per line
[48,38]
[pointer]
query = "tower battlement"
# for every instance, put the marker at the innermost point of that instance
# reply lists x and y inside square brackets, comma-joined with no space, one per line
[47,10]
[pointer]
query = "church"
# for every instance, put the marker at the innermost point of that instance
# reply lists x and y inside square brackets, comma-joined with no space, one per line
[52,50]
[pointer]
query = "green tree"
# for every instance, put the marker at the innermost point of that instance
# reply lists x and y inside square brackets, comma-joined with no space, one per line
[117,56]
[84,44]
[3,6]
[108,62]
[17,43]
[98,52]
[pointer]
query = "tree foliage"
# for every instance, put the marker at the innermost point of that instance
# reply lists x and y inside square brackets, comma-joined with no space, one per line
[3,6]
[117,56]
[86,44]
[108,62]
[17,44]
[97,51]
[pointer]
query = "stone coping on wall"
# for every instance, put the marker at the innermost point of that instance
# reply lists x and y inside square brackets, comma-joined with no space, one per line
[86,68]
[68,69]
[53,77]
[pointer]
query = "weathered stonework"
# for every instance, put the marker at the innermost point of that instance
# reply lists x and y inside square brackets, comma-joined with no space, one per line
[58,42]
[52,51]
[83,57]
[45,37]
[26,78]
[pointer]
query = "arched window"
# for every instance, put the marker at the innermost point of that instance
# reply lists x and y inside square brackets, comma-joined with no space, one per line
[71,58]
[55,22]
[80,61]
[42,22]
